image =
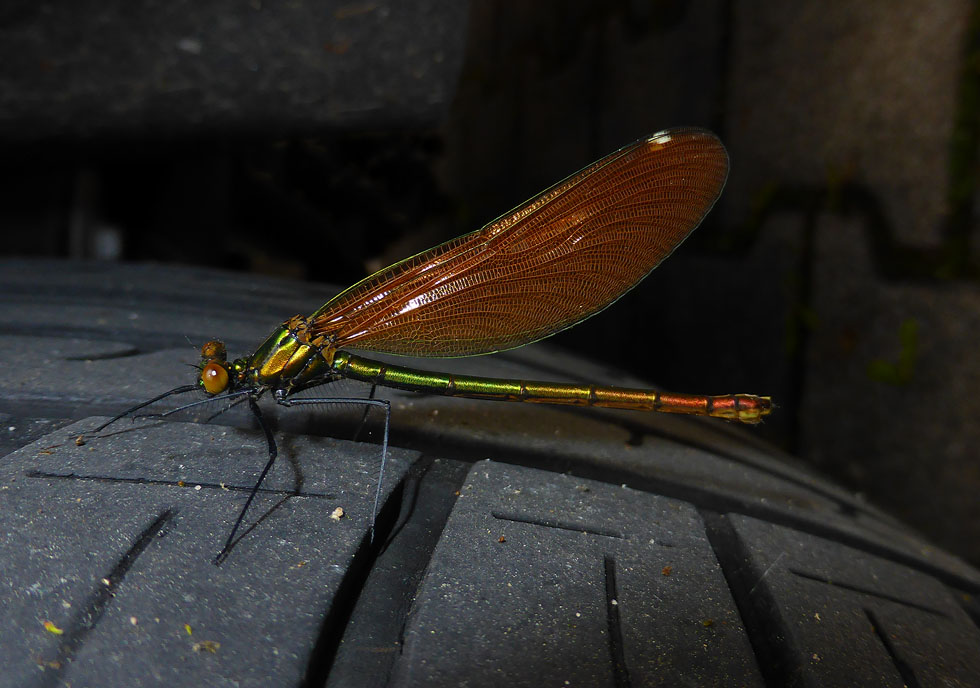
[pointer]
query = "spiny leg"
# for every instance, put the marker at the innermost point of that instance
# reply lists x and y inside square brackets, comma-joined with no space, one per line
[273,452]
[177,390]
[227,408]
[364,416]
[200,402]
[383,404]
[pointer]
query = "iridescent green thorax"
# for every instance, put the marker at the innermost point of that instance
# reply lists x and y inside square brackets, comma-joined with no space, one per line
[288,359]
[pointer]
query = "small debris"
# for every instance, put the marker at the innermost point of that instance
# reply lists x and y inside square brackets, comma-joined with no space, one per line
[194,47]
[50,627]
[211,646]
[197,487]
[666,570]
[80,440]
[106,581]
[337,48]
[133,620]
[501,539]
[187,627]
[708,623]
[181,483]
[337,513]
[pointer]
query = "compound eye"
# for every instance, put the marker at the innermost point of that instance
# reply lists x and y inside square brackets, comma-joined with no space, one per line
[214,378]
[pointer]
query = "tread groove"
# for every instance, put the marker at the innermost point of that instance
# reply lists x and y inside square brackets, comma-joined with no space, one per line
[349,591]
[621,676]
[371,640]
[176,483]
[87,618]
[767,633]
[866,591]
[558,525]
[903,667]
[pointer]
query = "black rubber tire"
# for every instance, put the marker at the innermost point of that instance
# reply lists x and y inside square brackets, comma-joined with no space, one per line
[518,545]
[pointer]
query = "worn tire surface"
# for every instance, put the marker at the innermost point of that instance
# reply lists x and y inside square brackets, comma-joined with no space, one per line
[517,545]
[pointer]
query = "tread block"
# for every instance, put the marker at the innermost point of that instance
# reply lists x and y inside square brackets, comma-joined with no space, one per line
[903,626]
[124,566]
[539,574]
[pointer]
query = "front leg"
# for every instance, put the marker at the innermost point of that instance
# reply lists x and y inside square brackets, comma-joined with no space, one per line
[273,452]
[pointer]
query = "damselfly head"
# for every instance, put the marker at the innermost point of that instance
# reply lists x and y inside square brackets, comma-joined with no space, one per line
[215,375]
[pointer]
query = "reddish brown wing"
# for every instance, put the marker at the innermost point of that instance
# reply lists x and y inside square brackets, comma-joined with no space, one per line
[545,266]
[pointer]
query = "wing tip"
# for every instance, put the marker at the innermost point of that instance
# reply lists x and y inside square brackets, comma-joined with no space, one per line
[707,142]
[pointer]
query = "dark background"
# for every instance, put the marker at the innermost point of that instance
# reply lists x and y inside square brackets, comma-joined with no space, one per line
[325,140]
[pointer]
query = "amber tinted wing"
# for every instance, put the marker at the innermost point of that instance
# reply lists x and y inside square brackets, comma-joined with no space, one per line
[545,266]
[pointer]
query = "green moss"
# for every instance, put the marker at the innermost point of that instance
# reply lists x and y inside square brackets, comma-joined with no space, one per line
[899,372]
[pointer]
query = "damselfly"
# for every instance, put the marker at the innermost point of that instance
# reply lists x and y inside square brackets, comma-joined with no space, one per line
[551,263]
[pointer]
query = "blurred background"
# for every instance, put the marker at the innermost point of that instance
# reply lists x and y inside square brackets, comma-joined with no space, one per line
[324,140]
